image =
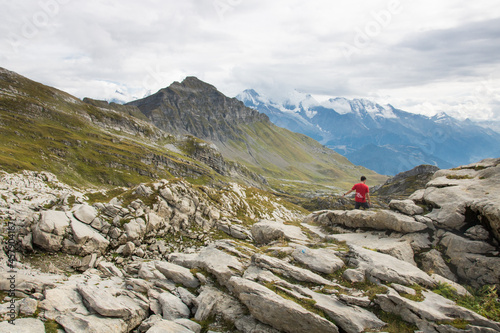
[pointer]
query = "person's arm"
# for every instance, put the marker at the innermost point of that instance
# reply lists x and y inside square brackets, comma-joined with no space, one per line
[346,193]
[368,197]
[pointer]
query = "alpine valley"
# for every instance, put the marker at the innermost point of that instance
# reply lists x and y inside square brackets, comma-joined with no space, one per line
[381,138]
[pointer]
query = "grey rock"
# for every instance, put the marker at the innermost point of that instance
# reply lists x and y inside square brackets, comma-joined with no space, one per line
[354,275]
[433,309]
[77,323]
[85,214]
[351,318]
[274,310]
[54,222]
[407,207]
[189,324]
[387,268]
[267,231]
[477,232]
[206,301]
[88,238]
[319,260]
[23,325]
[173,307]
[178,274]
[168,326]
[396,247]
[280,267]
[432,261]
[28,306]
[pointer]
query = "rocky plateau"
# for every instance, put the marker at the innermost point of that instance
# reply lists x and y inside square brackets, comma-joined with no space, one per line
[168,256]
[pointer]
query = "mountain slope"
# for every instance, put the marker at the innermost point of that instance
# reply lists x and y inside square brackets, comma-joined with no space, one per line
[402,139]
[45,129]
[247,136]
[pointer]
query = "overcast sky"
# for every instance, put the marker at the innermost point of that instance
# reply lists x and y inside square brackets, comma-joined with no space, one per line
[420,56]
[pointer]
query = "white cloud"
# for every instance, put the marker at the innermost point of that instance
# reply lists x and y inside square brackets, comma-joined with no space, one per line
[423,56]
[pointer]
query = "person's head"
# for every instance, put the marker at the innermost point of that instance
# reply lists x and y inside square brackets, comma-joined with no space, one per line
[363,178]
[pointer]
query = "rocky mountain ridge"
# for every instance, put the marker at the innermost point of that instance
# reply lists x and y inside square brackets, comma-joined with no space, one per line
[170,256]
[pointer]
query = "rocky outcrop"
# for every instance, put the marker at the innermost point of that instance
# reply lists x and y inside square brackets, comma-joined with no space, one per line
[171,257]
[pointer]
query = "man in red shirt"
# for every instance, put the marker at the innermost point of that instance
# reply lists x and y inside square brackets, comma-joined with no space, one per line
[362,192]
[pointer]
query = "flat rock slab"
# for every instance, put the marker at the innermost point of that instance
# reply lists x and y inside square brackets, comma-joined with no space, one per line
[351,318]
[387,268]
[23,325]
[433,309]
[281,267]
[378,220]
[76,323]
[395,247]
[276,311]
[319,260]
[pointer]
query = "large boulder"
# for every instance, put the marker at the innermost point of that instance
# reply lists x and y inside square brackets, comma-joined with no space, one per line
[85,214]
[379,220]
[88,239]
[267,231]
[49,232]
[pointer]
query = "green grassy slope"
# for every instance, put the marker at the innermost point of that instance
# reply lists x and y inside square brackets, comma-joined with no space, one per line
[42,128]
[295,163]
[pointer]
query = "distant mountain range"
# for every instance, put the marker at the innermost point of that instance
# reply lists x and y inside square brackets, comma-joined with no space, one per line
[381,138]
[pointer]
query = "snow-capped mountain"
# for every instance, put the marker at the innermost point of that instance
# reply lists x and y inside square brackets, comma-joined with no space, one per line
[379,137]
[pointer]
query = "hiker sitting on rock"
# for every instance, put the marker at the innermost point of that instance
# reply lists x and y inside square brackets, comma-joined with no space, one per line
[362,192]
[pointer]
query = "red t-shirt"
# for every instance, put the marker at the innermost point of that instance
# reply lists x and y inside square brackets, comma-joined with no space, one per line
[361,190]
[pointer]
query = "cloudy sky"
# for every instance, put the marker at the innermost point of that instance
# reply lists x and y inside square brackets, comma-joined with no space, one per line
[420,56]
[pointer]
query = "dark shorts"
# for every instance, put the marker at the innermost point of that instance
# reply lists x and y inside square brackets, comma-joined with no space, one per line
[363,205]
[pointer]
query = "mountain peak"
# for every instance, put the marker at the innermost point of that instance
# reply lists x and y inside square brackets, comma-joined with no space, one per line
[192,83]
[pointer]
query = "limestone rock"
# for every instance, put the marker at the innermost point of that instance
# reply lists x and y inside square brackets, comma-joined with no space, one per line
[280,267]
[274,310]
[407,207]
[319,260]
[434,308]
[395,247]
[379,220]
[23,325]
[267,231]
[88,238]
[178,274]
[85,214]
[351,318]
[432,261]
[76,323]
[173,307]
[387,268]
[169,326]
